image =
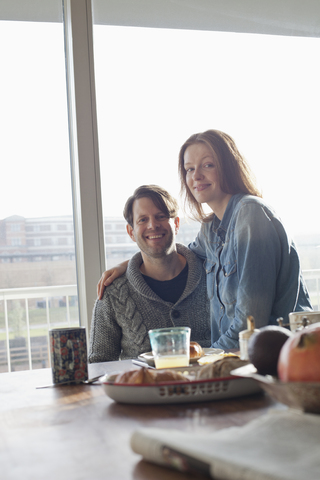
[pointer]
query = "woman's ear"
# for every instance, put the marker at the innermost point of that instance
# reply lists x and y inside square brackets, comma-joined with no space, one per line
[177,224]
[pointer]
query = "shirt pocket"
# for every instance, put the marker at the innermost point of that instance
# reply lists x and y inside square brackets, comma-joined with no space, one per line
[229,283]
[210,267]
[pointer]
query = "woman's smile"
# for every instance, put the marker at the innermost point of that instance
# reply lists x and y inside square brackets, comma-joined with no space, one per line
[202,186]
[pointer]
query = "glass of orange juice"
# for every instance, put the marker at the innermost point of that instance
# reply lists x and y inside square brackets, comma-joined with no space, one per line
[170,346]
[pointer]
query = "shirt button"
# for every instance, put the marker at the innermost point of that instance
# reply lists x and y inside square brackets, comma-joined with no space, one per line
[225,274]
[175,314]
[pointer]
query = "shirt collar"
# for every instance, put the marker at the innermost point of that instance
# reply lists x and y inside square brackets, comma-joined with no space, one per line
[221,227]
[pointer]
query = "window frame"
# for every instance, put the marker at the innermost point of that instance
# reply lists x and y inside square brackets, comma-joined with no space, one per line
[275,17]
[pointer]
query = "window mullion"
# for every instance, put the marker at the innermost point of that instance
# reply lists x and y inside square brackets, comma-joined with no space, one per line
[85,170]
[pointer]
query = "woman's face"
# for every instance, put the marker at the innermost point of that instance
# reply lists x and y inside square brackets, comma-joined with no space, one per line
[202,177]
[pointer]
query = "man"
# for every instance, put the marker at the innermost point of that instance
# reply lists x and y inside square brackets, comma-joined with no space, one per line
[164,284]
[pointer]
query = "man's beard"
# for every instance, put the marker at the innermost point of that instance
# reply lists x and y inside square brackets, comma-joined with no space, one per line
[156,251]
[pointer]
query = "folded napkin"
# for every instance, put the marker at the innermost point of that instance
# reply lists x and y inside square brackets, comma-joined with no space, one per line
[281,445]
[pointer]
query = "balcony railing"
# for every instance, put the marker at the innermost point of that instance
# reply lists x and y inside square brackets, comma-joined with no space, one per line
[312,278]
[25,311]
[59,308]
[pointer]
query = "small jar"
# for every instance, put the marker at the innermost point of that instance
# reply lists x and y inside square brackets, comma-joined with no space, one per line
[244,338]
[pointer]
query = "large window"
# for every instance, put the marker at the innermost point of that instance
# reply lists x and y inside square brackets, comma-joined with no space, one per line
[155,87]
[37,264]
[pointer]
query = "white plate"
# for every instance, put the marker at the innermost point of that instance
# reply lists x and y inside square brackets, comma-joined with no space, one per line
[179,392]
[148,357]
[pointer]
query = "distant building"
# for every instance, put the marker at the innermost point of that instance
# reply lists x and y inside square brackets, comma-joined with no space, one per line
[38,252]
[36,239]
[52,238]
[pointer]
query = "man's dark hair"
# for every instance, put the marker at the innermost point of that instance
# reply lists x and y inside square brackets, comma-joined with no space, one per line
[160,197]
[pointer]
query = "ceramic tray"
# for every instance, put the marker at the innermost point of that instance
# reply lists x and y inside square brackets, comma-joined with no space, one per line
[304,396]
[179,392]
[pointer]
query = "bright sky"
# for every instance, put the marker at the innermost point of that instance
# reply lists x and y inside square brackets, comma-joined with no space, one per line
[154,89]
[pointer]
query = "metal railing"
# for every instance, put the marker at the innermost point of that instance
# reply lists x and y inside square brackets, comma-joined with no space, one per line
[28,355]
[312,278]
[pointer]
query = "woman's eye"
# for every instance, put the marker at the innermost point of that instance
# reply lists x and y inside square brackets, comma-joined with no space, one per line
[208,165]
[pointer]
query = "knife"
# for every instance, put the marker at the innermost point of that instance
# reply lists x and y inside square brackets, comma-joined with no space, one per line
[141,363]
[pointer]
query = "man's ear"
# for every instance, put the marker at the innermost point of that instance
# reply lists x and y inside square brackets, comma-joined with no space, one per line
[130,232]
[177,224]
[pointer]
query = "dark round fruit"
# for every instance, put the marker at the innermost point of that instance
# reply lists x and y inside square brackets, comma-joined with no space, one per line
[264,348]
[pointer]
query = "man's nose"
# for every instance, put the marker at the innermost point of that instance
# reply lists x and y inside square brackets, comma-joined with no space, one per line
[153,223]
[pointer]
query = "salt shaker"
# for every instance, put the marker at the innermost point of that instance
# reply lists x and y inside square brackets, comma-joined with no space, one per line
[244,338]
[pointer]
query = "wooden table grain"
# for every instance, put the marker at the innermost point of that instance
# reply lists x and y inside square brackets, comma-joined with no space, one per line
[77,432]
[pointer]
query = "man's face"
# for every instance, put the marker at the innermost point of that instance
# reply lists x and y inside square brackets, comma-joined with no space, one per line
[152,230]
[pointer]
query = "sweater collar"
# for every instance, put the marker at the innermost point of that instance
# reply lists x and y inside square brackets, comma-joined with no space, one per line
[136,279]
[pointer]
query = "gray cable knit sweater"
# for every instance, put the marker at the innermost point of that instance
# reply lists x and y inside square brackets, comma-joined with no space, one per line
[129,309]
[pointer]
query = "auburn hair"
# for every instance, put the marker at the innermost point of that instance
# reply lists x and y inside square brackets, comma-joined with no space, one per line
[233,170]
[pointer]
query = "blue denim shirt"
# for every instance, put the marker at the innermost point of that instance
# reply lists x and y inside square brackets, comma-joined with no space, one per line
[252,267]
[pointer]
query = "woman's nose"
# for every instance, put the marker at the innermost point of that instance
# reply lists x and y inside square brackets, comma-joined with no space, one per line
[197,174]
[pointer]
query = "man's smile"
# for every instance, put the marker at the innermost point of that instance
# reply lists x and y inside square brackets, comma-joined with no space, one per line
[153,237]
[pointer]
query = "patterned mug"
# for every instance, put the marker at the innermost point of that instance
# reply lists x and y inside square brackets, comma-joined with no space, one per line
[68,351]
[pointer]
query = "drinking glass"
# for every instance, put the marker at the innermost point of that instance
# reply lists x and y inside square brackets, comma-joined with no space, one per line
[170,346]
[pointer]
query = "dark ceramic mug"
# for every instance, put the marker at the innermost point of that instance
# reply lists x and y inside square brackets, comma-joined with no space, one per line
[68,351]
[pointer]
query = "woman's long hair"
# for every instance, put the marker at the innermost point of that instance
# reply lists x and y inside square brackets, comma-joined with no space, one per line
[233,170]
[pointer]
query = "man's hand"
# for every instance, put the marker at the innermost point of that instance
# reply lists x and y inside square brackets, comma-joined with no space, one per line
[109,276]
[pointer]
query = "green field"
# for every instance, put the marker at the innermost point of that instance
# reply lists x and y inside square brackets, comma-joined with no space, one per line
[37,320]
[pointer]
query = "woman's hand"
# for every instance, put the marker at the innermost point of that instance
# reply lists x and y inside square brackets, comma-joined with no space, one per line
[109,276]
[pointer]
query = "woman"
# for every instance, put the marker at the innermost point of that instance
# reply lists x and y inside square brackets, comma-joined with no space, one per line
[252,266]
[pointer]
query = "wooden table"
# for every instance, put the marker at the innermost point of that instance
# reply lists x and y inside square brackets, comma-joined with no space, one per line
[76,432]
